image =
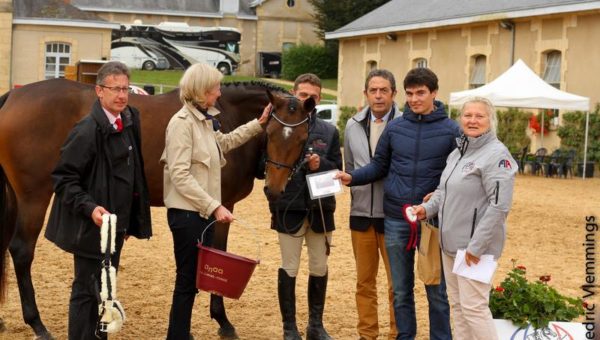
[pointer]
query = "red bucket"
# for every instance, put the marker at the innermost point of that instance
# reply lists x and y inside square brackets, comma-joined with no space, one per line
[223,273]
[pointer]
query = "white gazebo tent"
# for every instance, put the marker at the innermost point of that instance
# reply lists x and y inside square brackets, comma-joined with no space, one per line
[519,86]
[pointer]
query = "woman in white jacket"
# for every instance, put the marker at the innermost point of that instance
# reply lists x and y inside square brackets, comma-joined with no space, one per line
[192,159]
[472,202]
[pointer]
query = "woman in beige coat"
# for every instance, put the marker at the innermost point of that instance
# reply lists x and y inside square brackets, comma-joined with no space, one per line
[192,159]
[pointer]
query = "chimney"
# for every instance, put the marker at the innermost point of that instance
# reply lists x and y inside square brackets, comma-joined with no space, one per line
[230,6]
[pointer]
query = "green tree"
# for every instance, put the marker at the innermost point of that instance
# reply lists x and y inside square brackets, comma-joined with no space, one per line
[572,133]
[307,58]
[512,127]
[333,14]
[346,112]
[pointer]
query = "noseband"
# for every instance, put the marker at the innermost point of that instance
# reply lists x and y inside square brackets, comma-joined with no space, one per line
[292,107]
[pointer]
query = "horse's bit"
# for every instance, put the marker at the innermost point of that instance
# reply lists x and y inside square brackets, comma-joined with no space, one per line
[292,107]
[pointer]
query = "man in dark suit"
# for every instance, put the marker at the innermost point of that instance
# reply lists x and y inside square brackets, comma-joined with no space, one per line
[100,171]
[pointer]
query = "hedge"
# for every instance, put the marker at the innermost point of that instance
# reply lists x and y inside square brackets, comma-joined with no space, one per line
[572,133]
[308,59]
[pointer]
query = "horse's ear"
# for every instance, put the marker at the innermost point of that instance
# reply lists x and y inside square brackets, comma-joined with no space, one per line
[271,96]
[309,104]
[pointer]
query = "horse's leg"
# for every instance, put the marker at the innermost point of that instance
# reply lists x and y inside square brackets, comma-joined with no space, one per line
[217,308]
[22,247]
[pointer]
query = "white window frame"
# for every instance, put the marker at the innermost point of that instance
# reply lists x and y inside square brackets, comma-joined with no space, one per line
[371,65]
[420,63]
[552,68]
[478,71]
[57,56]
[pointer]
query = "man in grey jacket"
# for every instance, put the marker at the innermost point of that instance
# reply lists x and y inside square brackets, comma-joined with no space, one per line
[366,214]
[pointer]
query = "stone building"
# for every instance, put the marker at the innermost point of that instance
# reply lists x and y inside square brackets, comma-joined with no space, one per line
[470,43]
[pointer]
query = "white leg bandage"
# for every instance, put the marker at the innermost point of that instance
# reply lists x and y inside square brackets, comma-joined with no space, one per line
[112,314]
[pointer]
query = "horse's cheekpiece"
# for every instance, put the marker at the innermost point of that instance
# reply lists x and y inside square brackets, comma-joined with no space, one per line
[110,311]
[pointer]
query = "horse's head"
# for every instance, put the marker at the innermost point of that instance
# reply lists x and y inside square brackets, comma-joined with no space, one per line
[287,132]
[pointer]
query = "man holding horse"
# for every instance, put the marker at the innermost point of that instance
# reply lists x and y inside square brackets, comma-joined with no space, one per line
[100,171]
[297,218]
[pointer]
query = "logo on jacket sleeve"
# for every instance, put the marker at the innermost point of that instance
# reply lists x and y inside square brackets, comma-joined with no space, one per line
[504,163]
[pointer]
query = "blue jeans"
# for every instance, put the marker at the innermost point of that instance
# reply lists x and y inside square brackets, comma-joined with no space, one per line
[397,233]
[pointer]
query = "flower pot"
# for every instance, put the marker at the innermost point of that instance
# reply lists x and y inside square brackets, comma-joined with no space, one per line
[555,330]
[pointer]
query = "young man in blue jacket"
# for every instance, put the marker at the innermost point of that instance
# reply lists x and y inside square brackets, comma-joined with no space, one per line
[411,155]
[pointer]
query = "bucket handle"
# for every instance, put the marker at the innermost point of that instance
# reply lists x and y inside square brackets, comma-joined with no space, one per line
[258,250]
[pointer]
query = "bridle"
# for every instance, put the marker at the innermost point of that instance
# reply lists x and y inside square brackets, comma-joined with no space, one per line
[292,107]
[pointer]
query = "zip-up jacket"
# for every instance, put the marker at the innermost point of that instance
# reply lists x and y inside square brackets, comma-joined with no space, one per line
[367,200]
[474,197]
[412,153]
[86,177]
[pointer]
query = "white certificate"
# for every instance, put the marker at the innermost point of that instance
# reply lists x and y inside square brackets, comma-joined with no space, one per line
[323,184]
[482,272]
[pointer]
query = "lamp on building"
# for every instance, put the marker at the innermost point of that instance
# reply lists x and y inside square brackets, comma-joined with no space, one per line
[507,24]
[391,36]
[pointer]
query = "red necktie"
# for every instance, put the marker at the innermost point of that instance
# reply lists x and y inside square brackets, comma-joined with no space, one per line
[119,124]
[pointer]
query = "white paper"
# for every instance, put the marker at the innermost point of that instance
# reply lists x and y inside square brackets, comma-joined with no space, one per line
[323,184]
[482,272]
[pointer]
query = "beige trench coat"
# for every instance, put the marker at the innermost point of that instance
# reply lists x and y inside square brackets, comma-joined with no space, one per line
[193,158]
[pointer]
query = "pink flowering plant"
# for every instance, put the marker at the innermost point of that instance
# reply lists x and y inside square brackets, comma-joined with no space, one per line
[537,303]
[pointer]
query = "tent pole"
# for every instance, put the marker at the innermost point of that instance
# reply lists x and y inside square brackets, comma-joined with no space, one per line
[542,134]
[585,143]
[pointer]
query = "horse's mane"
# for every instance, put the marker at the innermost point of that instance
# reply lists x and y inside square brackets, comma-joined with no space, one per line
[4,98]
[267,85]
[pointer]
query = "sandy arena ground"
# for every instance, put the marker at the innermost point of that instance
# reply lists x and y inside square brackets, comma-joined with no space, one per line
[546,229]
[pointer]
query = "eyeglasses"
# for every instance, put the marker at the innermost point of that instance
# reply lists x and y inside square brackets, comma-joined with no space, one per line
[116,89]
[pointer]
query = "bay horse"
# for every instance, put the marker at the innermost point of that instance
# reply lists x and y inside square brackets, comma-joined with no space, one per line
[35,120]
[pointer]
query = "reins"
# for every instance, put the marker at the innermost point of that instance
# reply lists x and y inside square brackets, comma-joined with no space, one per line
[300,162]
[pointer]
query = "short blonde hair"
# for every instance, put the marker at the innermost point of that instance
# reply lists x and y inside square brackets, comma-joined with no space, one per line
[489,108]
[197,80]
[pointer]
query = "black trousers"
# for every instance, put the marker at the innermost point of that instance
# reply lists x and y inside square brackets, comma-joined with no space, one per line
[85,294]
[186,227]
